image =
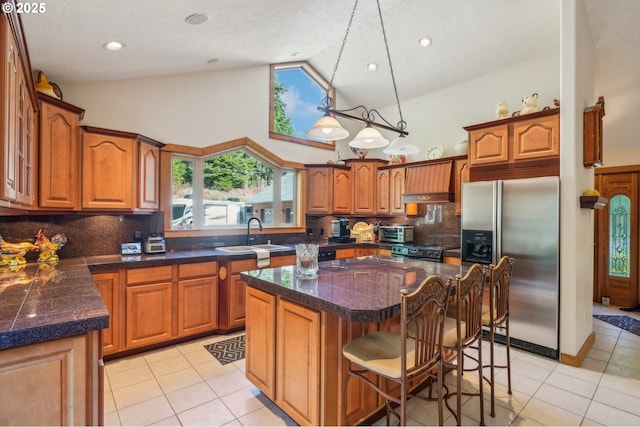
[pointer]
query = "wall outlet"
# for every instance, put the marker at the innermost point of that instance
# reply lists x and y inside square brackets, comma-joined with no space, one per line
[137,235]
[322,231]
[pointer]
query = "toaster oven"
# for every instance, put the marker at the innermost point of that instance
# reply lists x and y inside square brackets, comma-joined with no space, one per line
[395,233]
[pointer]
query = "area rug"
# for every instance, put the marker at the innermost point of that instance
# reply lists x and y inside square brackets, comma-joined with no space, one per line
[228,351]
[623,322]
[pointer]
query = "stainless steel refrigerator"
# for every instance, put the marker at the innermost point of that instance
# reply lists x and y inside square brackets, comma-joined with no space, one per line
[520,218]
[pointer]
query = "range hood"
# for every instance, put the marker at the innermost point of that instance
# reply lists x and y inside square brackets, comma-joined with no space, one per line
[430,183]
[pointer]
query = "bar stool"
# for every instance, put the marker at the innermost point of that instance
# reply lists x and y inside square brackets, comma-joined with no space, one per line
[496,317]
[463,330]
[414,354]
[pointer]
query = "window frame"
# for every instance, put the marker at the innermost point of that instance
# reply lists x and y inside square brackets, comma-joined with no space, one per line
[308,69]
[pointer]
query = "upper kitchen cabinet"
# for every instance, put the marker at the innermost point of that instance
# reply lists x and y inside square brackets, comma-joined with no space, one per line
[516,147]
[389,189]
[59,171]
[120,171]
[17,117]
[592,134]
[328,189]
[364,172]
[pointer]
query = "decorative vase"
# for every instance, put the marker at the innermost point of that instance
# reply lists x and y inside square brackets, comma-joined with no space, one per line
[462,147]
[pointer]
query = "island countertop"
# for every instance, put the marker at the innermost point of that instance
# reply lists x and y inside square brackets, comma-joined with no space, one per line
[365,289]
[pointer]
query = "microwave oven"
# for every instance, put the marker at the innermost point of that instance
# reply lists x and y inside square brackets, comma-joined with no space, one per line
[395,233]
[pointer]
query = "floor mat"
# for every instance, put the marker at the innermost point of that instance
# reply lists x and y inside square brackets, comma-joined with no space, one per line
[623,322]
[227,351]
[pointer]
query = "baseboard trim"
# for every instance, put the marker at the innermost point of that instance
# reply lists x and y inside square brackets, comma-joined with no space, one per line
[576,360]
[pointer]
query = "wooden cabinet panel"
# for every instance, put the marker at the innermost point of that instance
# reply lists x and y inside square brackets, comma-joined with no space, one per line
[260,359]
[592,134]
[107,172]
[396,190]
[199,269]
[364,185]
[462,176]
[51,383]
[197,305]
[9,86]
[319,190]
[298,362]
[345,253]
[149,179]
[383,189]
[110,289]
[148,314]
[536,138]
[341,191]
[149,274]
[59,165]
[490,145]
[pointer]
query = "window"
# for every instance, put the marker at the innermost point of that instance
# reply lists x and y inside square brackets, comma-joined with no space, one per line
[296,91]
[226,190]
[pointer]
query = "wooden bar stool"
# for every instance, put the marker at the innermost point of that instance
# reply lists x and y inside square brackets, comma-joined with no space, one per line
[496,317]
[463,330]
[413,355]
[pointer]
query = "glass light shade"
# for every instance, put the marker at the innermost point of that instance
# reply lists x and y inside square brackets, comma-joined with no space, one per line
[327,128]
[401,146]
[369,138]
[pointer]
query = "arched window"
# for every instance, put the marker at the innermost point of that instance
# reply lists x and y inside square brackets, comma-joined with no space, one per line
[619,236]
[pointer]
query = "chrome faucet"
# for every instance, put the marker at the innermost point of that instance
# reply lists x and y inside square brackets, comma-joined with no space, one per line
[249,238]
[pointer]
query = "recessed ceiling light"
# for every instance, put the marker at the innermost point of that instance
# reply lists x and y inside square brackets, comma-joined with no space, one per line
[212,61]
[425,41]
[372,66]
[197,19]
[114,45]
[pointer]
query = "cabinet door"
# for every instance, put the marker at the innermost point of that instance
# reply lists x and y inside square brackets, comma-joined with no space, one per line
[341,191]
[197,305]
[237,301]
[489,145]
[536,138]
[298,362]
[108,285]
[148,314]
[364,191]
[383,188]
[25,149]
[9,103]
[319,190]
[107,172]
[396,190]
[260,359]
[148,185]
[462,175]
[59,184]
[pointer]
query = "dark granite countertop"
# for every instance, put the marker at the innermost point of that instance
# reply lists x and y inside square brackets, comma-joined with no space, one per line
[365,289]
[42,303]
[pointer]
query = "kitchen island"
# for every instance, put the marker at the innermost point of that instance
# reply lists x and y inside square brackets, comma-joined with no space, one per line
[296,328]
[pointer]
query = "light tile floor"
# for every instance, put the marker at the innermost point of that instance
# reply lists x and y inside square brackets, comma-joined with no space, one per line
[184,385]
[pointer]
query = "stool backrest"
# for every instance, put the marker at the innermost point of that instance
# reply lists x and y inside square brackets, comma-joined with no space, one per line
[422,320]
[469,301]
[499,281]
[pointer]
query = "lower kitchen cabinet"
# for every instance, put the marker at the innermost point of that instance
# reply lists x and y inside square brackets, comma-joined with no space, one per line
[148,315]
[55,382]
[288,374]
[197,298]
[108,284]
[232,307]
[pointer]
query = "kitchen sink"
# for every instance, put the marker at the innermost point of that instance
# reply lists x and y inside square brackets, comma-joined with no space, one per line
[249,249]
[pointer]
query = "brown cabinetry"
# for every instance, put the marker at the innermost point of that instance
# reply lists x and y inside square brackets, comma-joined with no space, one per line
[592,135]
[109,286]
[59,165]
[389,191]
[197,298]
[260,358]
[328,189]
[17,117]
[120,171]
[365,174]
[517,147]
[232,307]
[56,382]
[461,176]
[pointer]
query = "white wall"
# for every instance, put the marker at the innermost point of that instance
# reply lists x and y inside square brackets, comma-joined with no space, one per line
[576,224]
[439,117]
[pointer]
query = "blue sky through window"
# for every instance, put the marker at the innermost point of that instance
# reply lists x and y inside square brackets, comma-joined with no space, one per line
[302,97]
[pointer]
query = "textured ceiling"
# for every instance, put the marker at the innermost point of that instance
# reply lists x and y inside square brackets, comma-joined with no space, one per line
[470,38]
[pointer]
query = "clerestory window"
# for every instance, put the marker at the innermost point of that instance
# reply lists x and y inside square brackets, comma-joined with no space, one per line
[225,190]
[296,91]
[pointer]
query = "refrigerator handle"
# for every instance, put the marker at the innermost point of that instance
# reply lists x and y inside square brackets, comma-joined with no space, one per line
[497,225]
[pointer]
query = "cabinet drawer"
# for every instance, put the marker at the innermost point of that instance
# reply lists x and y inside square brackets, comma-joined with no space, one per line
[197,270]
[148,274]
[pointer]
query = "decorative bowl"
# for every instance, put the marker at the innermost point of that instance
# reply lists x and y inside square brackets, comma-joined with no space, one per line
[360,152]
